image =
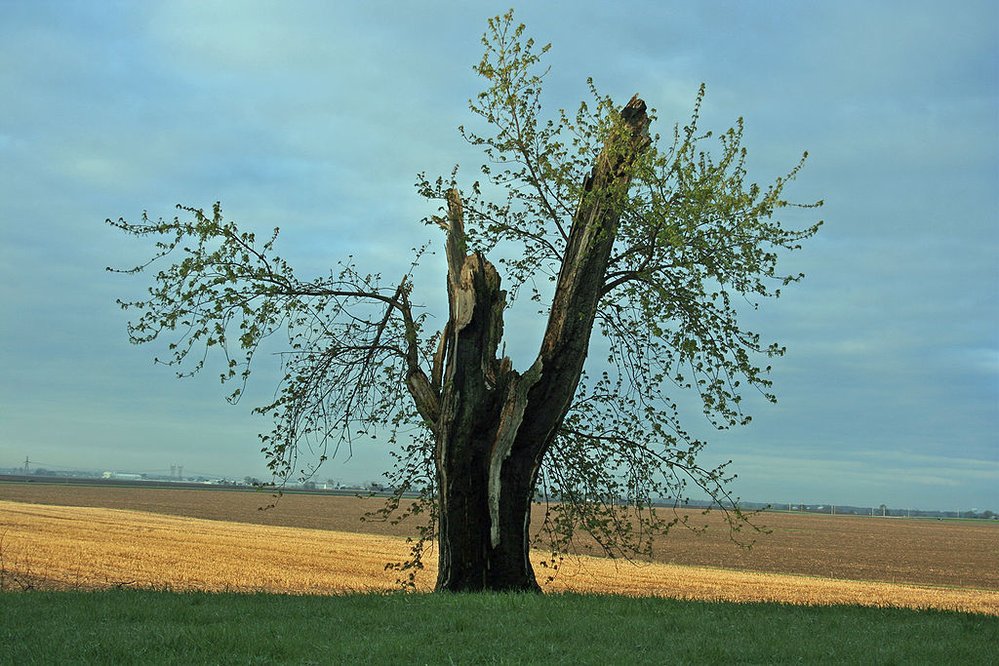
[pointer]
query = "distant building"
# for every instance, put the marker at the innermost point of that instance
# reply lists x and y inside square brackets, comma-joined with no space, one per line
[123,476]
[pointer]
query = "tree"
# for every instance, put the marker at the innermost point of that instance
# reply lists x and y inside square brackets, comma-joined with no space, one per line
[647,242]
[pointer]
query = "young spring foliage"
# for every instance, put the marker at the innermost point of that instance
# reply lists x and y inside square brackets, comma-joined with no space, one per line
[694,239]
[651,243]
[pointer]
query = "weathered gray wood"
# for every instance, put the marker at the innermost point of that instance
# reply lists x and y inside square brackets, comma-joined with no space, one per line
[494,425]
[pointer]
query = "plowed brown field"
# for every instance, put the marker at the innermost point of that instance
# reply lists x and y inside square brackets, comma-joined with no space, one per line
[925,552]
[85,547]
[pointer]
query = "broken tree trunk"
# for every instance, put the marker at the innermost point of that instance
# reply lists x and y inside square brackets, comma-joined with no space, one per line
[494,425]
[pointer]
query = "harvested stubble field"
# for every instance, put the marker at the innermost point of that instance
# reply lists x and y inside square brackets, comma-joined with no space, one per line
[925,552]
[315,544]
[85,547]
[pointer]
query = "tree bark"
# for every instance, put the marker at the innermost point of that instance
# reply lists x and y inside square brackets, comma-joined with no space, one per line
[483,544]
[492,424]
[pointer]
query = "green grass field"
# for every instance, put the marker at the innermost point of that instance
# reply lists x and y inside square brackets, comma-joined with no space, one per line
[141,627]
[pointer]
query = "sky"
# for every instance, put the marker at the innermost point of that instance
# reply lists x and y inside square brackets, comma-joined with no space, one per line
[317,116]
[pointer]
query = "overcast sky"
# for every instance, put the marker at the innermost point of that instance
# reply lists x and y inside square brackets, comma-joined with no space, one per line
[316,116]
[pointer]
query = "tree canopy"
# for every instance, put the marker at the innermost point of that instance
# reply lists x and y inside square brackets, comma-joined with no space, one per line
[653,243]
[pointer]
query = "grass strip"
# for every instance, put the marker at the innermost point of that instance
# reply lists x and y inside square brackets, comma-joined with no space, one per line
[142,627]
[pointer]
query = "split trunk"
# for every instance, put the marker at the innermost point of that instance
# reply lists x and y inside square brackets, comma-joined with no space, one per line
[494,425]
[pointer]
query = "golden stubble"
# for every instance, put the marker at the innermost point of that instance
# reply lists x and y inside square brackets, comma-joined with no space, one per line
[86,547]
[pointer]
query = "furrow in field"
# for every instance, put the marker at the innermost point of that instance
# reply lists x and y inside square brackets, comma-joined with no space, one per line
[91,547]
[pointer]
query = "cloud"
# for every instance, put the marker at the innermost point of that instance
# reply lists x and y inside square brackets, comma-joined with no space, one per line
[315,117]
[865,476]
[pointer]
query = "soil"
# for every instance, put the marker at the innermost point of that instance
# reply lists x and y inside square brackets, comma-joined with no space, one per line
[922,551]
